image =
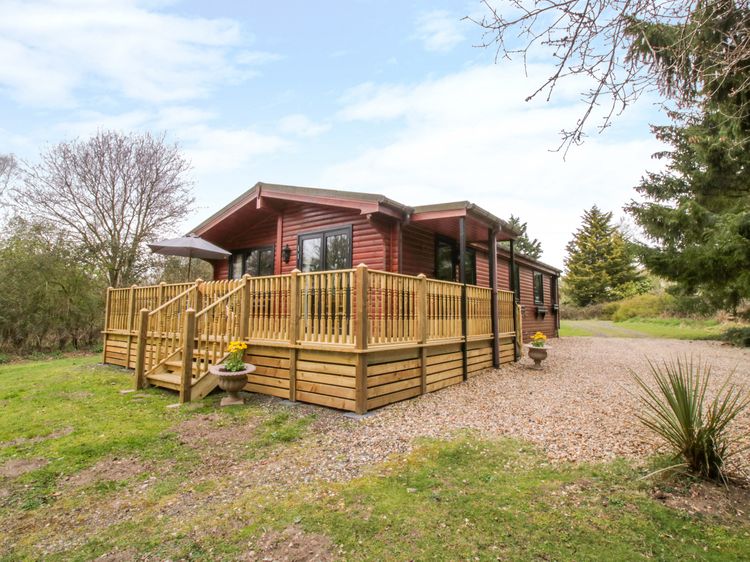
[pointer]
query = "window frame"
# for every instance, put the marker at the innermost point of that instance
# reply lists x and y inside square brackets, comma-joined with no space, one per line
[539,290]
[244,253]
[515,272]
[323,235]
[471,256]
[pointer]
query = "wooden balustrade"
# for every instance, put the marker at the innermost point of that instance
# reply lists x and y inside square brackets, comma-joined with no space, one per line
[478,311]
[165,326]
[325,307]
[267,307]
[392,308]
[505,309]
[214,327]
[307,310]
[443,310]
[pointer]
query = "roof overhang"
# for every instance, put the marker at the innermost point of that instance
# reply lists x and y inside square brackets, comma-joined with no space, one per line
[270,197]
[443,218]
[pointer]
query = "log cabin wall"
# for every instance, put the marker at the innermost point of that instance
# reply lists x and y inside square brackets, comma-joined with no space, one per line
[374,240]
[418,247]
[533,320]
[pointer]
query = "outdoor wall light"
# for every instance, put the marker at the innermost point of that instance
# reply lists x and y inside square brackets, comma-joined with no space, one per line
[286,253]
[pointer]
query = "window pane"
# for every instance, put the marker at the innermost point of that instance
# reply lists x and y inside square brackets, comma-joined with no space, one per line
[337,251]
[538,288]
[236,272]
[310,259]
[251,262]
[265,261]
[444,262]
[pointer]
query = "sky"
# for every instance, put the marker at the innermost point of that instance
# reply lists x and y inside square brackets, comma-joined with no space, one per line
[390,97]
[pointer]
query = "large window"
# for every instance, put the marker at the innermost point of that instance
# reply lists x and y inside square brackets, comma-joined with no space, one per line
[324,251]
[253,261]
[538,288]
[446,261]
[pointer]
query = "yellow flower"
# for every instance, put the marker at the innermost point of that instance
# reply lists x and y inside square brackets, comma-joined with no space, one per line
[236,346]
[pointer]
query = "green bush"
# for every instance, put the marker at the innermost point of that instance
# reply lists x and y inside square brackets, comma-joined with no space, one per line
[678,411]
[737,336]
[601,311]
[643,306]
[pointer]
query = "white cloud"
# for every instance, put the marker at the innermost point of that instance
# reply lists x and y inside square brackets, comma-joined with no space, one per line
[471,136]
[257,57]
[438,31]
[55,51]
[302,126]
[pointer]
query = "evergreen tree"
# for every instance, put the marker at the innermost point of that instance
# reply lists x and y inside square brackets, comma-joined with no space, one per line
[697,211]
[599,265]
[523,244]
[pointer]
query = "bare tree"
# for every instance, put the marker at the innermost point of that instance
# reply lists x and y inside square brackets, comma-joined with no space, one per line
[691,51]
[111,194]
[8,170]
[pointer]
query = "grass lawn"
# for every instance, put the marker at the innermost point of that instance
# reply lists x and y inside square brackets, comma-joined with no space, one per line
[86,471]
[673,328]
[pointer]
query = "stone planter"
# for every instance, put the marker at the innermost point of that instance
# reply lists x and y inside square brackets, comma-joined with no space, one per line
[538,354]
[232,382]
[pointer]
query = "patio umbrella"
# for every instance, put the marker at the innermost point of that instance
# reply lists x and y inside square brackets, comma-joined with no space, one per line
[189,247]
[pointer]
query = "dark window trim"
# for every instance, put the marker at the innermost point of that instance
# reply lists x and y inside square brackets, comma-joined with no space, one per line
[516,277]
[243,252]
[539,298]
[323,234]
[470,252]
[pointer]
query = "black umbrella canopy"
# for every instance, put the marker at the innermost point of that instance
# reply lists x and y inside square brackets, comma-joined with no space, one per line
[189,247]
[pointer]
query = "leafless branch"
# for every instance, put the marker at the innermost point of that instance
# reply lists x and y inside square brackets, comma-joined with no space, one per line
[111,193]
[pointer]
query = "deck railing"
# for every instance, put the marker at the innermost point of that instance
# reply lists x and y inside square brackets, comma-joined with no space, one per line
[352,308]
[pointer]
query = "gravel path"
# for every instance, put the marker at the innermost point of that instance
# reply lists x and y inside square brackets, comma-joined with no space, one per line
[580,408]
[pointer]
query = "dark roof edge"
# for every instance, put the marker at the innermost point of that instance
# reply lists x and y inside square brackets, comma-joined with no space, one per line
[529,260]
[469,206]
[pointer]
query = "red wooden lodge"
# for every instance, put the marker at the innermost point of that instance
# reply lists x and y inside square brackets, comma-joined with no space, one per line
[349,300]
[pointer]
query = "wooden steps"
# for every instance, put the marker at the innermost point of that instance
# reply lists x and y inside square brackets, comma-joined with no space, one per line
[168,374]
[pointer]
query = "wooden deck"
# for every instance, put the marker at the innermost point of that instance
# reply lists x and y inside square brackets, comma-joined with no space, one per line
[354,339]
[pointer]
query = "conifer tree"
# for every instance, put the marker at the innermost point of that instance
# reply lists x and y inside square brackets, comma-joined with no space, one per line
[599,265]
[523,244]
[697,211]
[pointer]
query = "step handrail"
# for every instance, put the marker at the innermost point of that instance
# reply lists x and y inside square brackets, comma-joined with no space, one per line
[213,331]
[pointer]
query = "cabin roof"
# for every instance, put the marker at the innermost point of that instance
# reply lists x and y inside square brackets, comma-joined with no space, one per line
[371,202]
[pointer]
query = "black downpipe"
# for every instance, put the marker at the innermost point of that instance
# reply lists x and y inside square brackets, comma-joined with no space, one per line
[516,297]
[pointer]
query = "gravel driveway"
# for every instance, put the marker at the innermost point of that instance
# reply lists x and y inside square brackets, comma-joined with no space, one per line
[580,408]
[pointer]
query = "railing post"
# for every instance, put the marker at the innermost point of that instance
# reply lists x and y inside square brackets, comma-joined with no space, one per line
[423,329]
[140,354]
[162,290]
[494,308]
[198,304]
[188,342]
[131,320]
[293,331]
[518,321]
[107,312]
[245,307]
[360,338]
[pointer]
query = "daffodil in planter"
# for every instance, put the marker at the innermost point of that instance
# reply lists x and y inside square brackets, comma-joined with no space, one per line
[232,374]
[538,349]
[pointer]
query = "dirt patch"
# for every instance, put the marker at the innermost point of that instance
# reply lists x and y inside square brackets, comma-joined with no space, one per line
[708,499]
[293,545]
[31,440]
[17,467]
[113,470]
[212,431]
[78,395]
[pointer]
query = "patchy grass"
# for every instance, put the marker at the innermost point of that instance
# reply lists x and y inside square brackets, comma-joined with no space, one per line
[671,328]
[193,499]
[572,328]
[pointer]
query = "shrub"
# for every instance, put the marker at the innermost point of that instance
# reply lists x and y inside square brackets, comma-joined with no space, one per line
[601,311]
[737,336]
[678,411]
[643,306]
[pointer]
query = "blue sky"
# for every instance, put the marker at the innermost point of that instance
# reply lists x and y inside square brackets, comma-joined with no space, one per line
[388,97]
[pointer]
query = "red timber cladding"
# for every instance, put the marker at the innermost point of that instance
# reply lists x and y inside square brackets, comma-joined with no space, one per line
[532,323]
[483,269]
[260,233]
[371,237]
[418,247]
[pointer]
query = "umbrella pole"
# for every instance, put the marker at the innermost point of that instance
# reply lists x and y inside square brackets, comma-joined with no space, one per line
[190,263]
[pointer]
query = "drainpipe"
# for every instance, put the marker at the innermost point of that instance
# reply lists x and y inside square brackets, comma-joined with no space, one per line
[516,295]
[462,280]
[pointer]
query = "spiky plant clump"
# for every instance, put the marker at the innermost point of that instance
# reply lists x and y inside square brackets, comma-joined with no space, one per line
[677,409]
